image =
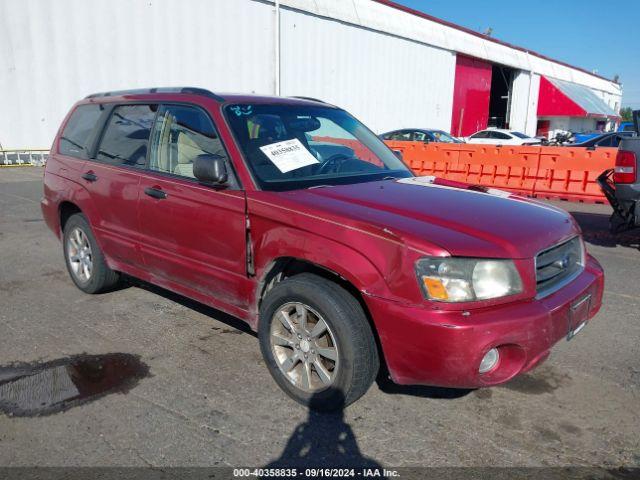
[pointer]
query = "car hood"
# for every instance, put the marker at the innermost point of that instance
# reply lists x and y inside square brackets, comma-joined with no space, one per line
[463,222]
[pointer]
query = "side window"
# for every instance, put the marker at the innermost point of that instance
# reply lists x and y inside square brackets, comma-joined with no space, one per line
[420,137]
[499,135]
[76,133]
[482,134]
[180,135]
[126,138]
[402,135]
[610,141]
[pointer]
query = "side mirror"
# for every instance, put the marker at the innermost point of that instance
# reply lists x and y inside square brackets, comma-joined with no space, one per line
[397,153]
[210,169]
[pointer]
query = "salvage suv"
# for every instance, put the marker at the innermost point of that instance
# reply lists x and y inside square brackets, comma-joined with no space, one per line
[293,216]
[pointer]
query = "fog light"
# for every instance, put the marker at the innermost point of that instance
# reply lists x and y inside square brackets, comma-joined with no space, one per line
[489,360]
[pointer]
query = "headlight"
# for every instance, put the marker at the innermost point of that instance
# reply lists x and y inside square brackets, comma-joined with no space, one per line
[467,279]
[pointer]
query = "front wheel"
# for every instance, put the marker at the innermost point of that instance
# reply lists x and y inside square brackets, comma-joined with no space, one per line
[317,342]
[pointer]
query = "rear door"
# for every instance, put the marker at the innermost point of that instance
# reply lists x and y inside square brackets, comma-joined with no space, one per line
[112,178]
[194,234]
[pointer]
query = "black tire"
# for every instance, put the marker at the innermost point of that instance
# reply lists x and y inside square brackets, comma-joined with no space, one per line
[359,362]
[102,278]
[617,224]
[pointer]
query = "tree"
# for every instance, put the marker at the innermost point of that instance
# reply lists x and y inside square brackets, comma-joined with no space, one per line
[626,113]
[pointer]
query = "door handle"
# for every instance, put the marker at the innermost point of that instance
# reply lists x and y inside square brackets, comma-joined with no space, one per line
[155,193]
[90,176]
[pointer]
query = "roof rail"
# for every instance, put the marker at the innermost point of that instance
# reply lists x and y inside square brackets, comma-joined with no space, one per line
[190,90]
[309,98]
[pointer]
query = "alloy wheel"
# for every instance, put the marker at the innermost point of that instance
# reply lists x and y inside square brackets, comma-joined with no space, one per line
[79,254]
[304,347]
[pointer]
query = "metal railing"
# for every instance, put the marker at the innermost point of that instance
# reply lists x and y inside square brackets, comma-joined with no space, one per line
[24,157]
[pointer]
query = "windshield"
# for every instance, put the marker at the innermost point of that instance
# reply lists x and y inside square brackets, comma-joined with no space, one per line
[520,135]
[444,137]
[290,147]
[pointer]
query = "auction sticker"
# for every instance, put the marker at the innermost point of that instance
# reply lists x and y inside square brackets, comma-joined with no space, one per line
[289,155]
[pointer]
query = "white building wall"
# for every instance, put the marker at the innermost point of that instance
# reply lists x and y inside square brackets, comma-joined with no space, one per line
[524,104]
[520,101]
[53,53]
[391,68]
[387,19]
[531,125]
[564,124]
[385,81]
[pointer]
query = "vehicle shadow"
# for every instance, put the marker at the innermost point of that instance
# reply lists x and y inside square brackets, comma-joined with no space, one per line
[191,304]
[324,440]
[438,393]
[595,230]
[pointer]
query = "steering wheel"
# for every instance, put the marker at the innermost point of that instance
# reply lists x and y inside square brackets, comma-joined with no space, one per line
[333,163]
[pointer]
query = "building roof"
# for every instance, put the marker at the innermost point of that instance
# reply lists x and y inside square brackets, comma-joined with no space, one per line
[561,98]
[426,16]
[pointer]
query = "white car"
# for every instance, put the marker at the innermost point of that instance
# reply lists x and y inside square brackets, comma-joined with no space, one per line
[498,136]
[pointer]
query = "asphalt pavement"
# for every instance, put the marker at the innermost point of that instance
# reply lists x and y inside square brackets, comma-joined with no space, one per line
[200,395]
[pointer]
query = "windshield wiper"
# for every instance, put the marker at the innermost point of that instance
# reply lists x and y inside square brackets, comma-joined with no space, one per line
[319,186]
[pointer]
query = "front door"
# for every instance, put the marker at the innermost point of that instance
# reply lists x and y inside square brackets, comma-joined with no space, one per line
[194,234]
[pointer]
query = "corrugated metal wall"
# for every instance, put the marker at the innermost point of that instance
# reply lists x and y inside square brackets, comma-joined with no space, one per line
[55,52]
[385,81]
[390,68]
[387,19]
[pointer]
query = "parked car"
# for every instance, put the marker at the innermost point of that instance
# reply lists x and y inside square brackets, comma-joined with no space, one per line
[498,136]
[586,136]
[611,139]
[626,127]
[420,135]
[341,259]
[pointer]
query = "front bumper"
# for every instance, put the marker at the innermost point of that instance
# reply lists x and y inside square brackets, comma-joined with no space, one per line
[444,348]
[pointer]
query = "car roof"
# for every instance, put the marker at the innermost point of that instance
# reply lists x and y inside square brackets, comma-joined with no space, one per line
[414,130]
[141,93]
[493,130]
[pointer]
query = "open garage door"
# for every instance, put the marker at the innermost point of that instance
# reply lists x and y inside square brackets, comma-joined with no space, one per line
[471,93]
[500,96]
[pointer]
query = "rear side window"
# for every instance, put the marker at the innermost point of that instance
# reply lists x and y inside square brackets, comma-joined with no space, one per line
[76,133]
[482,134]
[403,135]
[499,135]
[126,138]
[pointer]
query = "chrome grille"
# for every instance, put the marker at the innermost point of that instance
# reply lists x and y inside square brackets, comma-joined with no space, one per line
[559,265]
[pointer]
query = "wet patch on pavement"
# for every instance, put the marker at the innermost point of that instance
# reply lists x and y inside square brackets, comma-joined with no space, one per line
[29,390]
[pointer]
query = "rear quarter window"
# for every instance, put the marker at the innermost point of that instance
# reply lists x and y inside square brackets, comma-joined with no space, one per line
[76,133]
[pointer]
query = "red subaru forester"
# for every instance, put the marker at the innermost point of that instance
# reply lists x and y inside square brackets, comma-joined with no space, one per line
[293,216]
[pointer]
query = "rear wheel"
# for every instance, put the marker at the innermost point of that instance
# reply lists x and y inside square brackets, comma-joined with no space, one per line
[317,342]
[84,259]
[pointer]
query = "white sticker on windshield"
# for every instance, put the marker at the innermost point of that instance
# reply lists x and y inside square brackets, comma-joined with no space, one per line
[289,155]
